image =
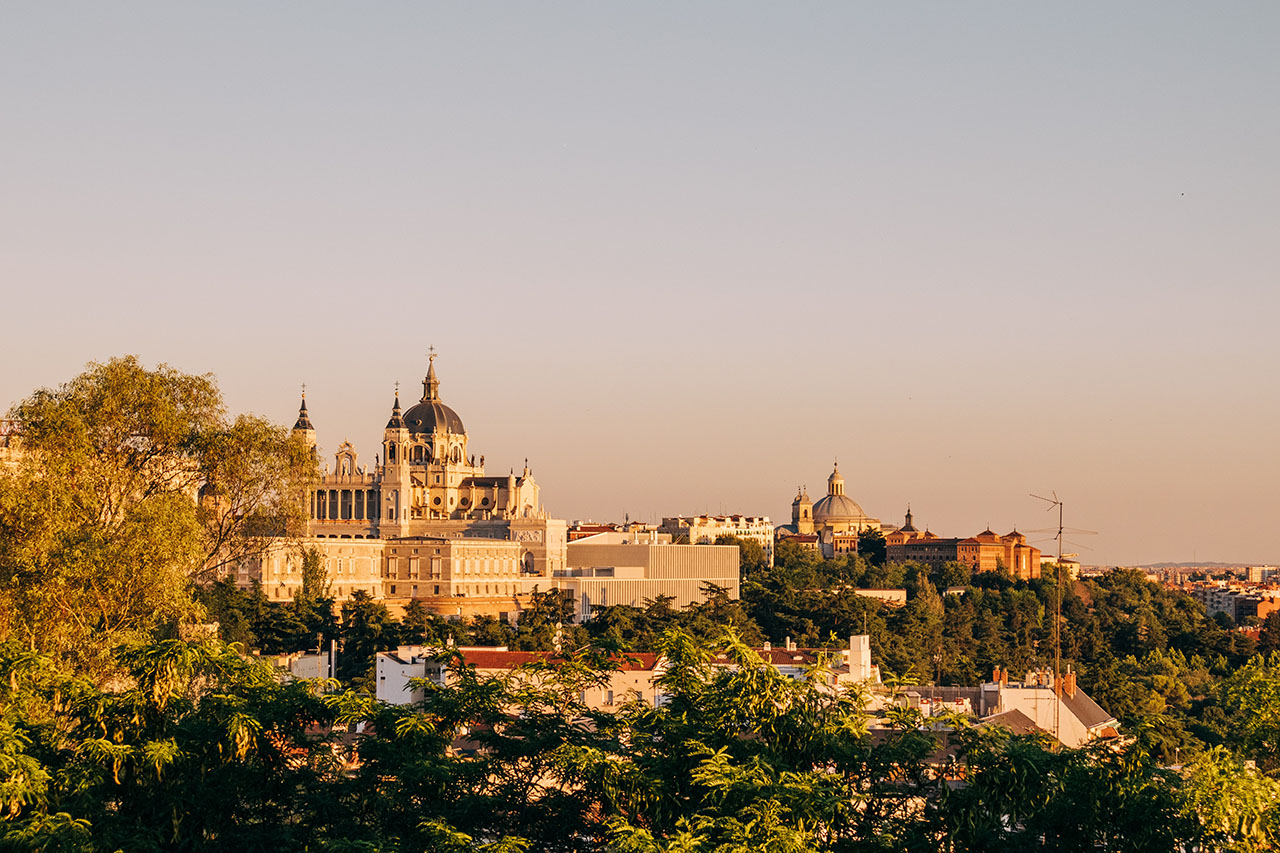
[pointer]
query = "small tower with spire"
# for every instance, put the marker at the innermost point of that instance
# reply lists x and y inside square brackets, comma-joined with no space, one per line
[396,481]
[909,527]
[302,426]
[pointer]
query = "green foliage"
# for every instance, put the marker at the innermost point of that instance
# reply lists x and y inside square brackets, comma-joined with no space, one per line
[1250,697]
[130,485]
[751,557]
[197,747]
[871,546]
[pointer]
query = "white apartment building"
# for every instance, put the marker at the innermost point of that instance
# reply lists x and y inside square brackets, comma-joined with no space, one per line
[705,529]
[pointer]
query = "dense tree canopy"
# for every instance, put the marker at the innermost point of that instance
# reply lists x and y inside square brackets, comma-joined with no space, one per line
[131,485]
[199,748]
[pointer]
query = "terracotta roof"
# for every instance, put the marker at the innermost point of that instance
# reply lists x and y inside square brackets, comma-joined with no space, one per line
[511,660]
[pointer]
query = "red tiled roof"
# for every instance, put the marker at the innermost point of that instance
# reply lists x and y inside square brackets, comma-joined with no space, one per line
[511,660]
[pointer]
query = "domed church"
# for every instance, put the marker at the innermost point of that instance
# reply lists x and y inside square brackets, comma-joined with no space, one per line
[426,522]
[833,523]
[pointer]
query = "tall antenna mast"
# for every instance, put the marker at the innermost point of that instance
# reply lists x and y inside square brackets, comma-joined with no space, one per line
[1057,622]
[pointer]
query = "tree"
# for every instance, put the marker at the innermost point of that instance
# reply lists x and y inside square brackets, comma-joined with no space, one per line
[367,628]
[1269,634]
[315,586]
[101,529]
[751,557]
[1251,700]
[254,477]
[871,546]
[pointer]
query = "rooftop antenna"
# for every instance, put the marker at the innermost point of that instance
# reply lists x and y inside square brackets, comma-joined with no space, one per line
[1057,620]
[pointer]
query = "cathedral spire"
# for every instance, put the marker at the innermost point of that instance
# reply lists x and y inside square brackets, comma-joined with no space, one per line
[396,421]
[431,385]
[303,422]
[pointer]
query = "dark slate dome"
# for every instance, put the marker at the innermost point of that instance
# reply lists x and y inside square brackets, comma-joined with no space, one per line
[430,414]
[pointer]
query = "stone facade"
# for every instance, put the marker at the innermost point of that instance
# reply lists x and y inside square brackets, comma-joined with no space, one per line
[426,523]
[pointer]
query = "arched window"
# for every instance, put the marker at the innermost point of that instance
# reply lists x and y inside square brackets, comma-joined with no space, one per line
[391,452]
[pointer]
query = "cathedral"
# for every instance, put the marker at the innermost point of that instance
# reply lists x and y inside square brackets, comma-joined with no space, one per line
[832,524]
[425,522]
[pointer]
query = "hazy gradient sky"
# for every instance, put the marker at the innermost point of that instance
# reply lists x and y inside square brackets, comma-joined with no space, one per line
[683,255]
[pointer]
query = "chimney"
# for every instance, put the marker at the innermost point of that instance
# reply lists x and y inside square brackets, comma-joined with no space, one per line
[786,644]
[767,646]
[1069,683]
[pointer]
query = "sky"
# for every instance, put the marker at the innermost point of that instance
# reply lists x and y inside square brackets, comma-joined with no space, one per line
[684,256]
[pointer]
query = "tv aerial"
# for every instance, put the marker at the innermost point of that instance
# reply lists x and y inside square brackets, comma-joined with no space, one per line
[1056,502]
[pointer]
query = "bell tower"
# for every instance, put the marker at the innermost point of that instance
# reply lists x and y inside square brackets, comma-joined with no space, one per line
[302,426]
[396,482]
[802,512]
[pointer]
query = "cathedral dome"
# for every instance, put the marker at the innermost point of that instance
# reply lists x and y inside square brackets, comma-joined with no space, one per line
[837,508]
[431,415]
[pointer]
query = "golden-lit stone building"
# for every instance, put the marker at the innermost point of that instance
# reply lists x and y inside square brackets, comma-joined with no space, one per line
[424,522]
[427,523]
[986,552]
[836,519]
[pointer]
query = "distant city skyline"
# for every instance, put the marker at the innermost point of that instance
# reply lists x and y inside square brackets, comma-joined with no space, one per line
[684,257]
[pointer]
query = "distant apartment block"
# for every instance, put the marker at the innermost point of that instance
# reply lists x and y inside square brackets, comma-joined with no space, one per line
[706,529]
[1238,602]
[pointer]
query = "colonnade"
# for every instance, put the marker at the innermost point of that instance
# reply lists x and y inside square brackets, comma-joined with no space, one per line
[344,504]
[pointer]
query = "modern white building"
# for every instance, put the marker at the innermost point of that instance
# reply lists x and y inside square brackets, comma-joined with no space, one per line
[634,567]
